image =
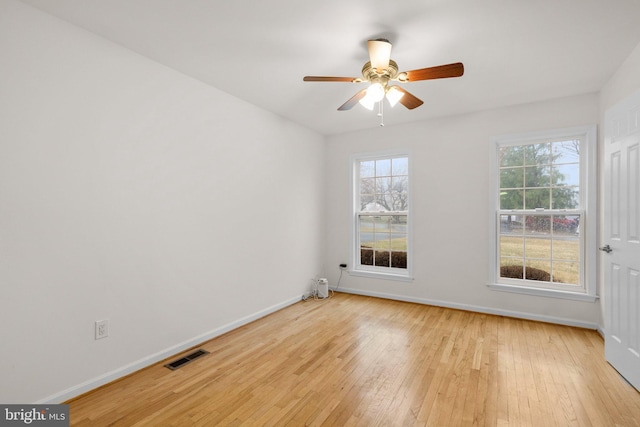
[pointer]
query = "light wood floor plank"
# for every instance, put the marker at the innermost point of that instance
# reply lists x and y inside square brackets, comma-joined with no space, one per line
[360,361]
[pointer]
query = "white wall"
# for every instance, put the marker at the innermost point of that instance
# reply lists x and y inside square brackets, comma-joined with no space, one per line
[451,211]
[623,83]
[131,192]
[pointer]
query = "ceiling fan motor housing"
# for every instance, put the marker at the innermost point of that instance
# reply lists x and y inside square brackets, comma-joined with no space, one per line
[370,74]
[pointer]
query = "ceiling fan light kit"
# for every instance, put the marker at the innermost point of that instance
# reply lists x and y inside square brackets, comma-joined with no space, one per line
[379,71]
[376,92]
[394,95]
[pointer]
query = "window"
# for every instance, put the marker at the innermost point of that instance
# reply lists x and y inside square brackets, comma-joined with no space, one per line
[381,215]
[544,213]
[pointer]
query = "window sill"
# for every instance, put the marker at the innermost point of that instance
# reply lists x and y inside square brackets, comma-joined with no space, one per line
[551,293]
[377,275]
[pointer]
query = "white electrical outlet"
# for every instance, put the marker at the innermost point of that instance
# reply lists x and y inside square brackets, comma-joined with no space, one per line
[102,328]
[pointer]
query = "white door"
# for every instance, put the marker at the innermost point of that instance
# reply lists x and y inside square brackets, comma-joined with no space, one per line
[621,238]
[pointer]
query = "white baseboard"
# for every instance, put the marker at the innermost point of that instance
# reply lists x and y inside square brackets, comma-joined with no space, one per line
[476,308]
[161,355]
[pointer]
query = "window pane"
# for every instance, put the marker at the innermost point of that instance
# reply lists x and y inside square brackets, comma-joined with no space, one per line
[367,186]
[537,176]
[367,169]
[399,193]
[537,154]
[511,246]
[383,185]
[366,231]
[400,184]
[538,247]
[399,242]
[381,224]
[399,201]
[511,156]
[566,174]
[511,199]
[367,239]
[538,270]
[366,256]
[511,224]
[511,268]
[565,225]
[399,222]
[566,272]
[383,167]
[537,225]
[538,198]
[387,200]
[399,259]
[565,249]
[381,259]
[400,166]
[566,151]
[382,241]
[398,233]
[366,202]
[511,178]
[565,198]
[367,190]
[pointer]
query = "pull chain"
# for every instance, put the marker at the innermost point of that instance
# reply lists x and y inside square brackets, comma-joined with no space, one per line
[381,112]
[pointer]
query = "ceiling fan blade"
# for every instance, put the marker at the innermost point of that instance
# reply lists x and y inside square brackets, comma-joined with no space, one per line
[353,100]
[379,54]
[408,100]
[439,72]
[330,79]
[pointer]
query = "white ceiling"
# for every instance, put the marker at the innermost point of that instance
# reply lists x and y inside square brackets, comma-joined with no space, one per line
[514,51]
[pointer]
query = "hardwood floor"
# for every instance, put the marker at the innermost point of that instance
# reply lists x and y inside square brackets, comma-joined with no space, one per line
[361,361]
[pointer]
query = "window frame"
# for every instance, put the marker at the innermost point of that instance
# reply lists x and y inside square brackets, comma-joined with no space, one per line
[390,273]
[587,210]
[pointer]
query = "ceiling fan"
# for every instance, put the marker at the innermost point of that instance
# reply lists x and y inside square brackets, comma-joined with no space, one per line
[381,70]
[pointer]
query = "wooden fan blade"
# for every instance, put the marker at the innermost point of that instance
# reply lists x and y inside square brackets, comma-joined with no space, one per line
[439,72]
[330,79]
[379,53]
[353,100]
[408,100]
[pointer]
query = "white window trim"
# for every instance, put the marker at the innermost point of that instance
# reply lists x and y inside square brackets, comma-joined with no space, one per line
[588,204]
[403,275]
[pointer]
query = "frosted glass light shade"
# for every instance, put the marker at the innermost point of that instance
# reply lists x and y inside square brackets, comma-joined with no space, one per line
[367,103]
[375,92]
[394,95]
[379,53]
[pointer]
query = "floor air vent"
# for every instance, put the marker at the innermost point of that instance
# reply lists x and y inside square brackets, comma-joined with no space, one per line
[184,360]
